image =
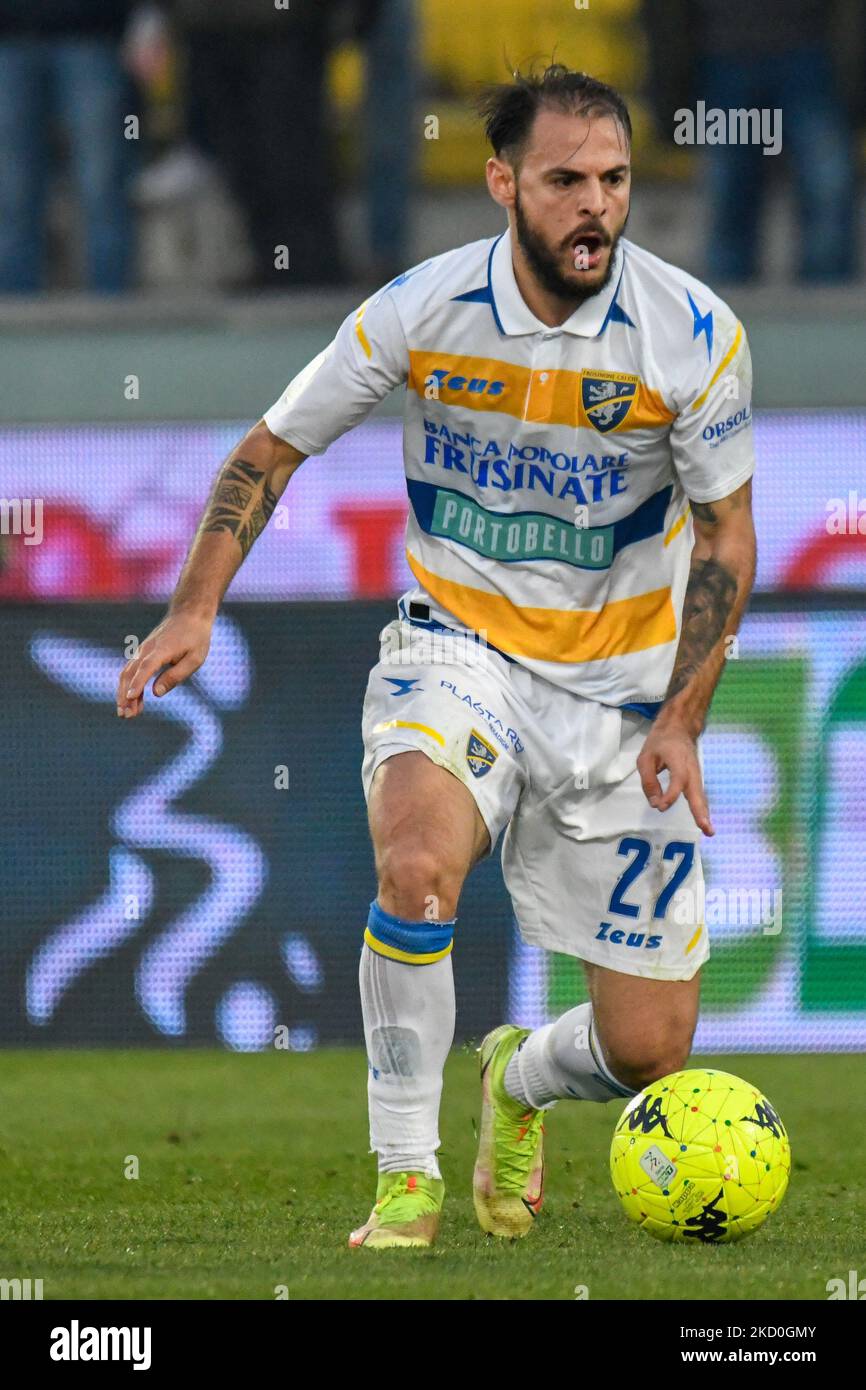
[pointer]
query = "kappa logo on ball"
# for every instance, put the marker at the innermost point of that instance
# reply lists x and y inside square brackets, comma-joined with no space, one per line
[767,1118]
[479,755]
[640,1114]
[710,1224]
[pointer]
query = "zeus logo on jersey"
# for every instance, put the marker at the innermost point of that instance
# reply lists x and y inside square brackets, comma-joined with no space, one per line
[618,937]
[607,399]
[478,385]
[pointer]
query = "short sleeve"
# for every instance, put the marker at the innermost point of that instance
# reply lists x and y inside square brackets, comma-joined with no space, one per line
[711,437]
[338,389]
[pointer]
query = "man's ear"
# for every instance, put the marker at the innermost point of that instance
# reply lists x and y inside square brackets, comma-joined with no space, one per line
[501,181]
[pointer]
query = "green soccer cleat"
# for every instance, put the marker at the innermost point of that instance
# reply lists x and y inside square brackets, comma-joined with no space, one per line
[508,1183]
[407,1211]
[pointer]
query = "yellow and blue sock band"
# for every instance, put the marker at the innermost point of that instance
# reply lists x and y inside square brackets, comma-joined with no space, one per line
[413,943]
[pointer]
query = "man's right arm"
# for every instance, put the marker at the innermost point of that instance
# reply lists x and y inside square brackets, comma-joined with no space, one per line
[335,392]
[245,493]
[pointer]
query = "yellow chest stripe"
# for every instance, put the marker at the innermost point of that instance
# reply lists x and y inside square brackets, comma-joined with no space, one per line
[552,634]
[549,396]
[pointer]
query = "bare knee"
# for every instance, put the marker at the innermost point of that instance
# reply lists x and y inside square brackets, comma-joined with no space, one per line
[427,832]
[418,884]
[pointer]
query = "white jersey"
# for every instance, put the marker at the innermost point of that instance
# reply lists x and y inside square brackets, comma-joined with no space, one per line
[549,470]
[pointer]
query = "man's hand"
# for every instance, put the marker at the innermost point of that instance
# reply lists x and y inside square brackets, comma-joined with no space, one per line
[177,647]
[674,748]
[244,496]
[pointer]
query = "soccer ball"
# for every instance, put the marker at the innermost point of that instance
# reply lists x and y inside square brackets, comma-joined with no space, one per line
[700,1155]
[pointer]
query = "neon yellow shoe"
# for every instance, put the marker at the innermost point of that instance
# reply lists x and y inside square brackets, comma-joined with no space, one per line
[508,1183]
[407,1211]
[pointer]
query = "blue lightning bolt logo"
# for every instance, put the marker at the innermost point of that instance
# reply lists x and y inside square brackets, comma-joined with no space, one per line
[703,324]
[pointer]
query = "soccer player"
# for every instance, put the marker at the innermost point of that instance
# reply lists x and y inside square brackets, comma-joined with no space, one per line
[578,459]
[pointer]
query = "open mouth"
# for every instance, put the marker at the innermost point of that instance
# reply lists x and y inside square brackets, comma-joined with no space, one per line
[586,249]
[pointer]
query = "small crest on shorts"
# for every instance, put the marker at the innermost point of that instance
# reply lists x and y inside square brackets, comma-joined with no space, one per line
[479,755]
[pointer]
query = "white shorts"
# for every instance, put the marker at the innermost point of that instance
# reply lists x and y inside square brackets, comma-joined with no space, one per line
[592,869]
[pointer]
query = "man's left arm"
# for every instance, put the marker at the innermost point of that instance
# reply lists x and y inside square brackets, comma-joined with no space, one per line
[720,581]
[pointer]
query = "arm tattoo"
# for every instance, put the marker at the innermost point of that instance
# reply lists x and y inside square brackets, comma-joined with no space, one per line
[709,599]
[242,503]
[704,512]
[707,512]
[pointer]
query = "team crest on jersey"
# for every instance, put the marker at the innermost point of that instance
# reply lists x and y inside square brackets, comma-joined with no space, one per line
[607,399]
[479,755]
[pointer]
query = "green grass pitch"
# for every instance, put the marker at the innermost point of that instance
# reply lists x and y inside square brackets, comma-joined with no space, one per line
[253,1169]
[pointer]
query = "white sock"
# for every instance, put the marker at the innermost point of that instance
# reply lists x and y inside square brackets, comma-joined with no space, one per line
[563,1060]
[409,1016]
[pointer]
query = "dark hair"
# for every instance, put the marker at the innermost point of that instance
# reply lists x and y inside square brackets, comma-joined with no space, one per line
[508,109]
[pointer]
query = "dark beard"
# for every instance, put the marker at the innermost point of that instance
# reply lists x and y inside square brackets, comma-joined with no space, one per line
[544,266]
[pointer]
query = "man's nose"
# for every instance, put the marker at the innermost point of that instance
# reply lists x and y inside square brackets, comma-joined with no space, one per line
[592,201]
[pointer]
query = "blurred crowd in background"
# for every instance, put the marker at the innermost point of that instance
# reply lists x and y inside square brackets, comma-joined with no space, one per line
[185,142]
